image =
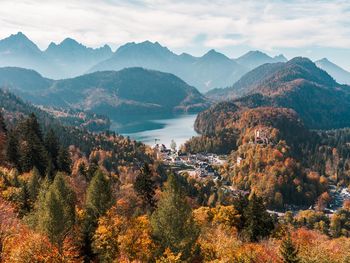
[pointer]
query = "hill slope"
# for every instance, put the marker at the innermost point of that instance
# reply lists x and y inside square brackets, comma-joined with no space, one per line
[340,75]
[300,85]
[130,91]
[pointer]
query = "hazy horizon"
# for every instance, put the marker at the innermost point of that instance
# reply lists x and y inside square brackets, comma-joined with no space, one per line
[294,28]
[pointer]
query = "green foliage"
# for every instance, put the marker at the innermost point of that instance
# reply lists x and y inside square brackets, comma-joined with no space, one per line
[12,149]
[54,212]
[288,251]
[145,187]
[98,200]
[258,223]
[64,161]
[172,221]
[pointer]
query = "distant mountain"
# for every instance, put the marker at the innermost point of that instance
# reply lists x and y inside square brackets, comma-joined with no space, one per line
[67,59]
[74,58]
[254,59]
[339,74]
[297,84]
[247,83]
[18,51]
[70,59]
[129,91]
[209,71]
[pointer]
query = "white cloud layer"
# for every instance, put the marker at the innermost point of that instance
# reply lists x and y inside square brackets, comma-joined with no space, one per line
[259,24]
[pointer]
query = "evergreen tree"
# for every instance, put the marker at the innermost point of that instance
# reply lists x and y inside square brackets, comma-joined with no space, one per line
[32,126]
[3,136]
[33,151]
[98,200]
[93,167]
[145,187]
[64,161]
[12,150]
[23,199]
[258,222]
[55,211]
[34,185]
[172,222]
[52,146]
[289,252]
[2,124]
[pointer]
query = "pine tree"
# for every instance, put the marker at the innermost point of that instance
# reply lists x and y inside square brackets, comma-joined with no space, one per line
[12,150]
[55,211]
[24,200]
[98,200]
[172,222]
[289,253]
[52,146]
[64,161]
[258,223]
[99,194]
[33,151]
[34,185]
[2,124]
[145,187]
[3,132]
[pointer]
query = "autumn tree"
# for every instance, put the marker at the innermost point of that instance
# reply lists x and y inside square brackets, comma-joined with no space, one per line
[172,222]
[145,187]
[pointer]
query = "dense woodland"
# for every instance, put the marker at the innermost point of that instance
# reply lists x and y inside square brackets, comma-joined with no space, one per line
[115,203]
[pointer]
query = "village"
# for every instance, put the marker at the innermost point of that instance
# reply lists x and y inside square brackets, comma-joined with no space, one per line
[204,166]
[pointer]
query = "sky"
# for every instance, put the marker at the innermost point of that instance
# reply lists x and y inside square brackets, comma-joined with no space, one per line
[314,29]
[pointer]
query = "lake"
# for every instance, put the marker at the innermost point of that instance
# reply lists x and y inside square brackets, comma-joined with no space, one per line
[163,128]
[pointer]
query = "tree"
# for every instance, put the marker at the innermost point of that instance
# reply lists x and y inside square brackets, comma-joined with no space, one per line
[64,161]
[52,146]
[3,132]
[145,187]
[98,200]
[258,223]
[288,251]
[172,222]
[34,185]
[99,194]
[33,152]
[12,150]
[55,211]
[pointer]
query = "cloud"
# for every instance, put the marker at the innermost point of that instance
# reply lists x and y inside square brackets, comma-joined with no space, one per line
[259,24]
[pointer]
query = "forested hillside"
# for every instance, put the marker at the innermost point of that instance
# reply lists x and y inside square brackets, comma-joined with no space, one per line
[129,91]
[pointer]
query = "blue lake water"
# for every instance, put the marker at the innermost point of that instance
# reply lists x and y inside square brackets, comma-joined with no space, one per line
[163,128]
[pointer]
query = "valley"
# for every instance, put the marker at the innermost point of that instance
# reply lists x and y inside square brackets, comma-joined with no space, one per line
[144,155]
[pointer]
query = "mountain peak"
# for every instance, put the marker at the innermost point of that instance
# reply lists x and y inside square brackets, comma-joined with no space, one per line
[254,54]
[213,54]
[280,58]
[19,42]
[70,42]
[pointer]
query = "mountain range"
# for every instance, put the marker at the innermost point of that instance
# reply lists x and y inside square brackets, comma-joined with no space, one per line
[298,84]
[70,59]
[67,59]
[129,91]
